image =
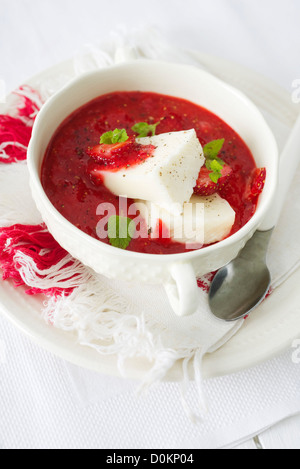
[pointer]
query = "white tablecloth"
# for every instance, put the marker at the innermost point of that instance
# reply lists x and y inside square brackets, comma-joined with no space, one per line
[44,401]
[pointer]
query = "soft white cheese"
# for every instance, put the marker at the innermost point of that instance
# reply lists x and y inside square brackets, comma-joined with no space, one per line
[205,220]
[166,178]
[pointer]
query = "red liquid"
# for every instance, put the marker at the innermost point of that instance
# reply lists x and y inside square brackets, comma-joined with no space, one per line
[75,195]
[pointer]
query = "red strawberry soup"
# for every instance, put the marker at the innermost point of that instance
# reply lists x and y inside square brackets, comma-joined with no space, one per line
[76,155]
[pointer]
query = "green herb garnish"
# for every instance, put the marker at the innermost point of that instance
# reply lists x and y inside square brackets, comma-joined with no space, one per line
[213,148]
[114,136]
[213,162]
[143,129]
[120,231]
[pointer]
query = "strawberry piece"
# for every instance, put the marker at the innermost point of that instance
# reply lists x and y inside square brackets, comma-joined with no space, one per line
[205,186]
[106,151]
[258,179]
[226,173]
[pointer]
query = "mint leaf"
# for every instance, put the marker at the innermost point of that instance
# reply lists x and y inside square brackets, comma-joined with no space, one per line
[216,166]
[120,231]
[107,138]
[114,136]
[143,129]
[216,169]
[214,177]
[213,162]
[213,148]
[119,135]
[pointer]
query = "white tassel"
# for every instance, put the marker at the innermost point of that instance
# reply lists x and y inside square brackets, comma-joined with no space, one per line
[91,58]
[60,275]
[110,324]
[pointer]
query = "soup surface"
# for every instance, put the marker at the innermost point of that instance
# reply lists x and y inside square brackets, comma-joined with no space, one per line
[66,174]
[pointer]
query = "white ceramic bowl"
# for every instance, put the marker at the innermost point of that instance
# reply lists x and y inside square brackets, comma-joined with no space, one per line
[177,272]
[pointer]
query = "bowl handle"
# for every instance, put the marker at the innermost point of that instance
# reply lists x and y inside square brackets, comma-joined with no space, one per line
[182,289]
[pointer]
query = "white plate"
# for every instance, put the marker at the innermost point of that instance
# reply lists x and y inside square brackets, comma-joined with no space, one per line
[270,329]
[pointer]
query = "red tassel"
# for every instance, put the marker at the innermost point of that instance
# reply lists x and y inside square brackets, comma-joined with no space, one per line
[14,139]
[31,102]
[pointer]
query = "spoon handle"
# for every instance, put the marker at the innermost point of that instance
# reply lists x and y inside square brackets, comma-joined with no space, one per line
[289,161]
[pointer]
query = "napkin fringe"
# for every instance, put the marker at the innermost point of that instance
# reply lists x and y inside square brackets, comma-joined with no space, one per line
[29,103]
[14,139]
[103,320]
[22,107]
[30,256]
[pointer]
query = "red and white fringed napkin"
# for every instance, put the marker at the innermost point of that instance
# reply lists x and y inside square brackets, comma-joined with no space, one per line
[113,317]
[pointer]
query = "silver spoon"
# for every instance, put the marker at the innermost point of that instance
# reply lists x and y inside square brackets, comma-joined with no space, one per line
[241,285]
